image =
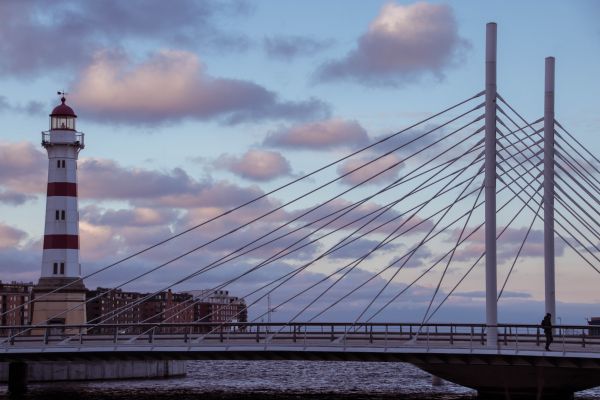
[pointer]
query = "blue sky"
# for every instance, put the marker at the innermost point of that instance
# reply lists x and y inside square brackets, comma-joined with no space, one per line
[178,103]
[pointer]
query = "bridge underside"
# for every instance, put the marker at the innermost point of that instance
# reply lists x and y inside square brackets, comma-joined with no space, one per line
[506,376]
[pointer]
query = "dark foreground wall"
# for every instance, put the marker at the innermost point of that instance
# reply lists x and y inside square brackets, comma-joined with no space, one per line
[45,371]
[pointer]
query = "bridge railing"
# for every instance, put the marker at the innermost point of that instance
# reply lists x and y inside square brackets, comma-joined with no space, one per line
[385,335]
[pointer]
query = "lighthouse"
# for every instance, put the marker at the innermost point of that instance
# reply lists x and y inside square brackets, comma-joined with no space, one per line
[59,296]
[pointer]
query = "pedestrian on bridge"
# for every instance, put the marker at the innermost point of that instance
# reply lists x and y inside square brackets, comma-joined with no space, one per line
[547,326]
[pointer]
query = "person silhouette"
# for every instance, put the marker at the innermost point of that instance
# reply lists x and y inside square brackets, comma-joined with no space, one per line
[547,326]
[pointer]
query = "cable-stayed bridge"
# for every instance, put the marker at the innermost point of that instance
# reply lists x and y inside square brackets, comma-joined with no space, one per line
[427,209]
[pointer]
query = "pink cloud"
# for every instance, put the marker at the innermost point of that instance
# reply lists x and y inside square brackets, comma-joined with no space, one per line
[171,85]
[389,163]
[364,213]
[105,179]
[138,217]
[403,43]
[255,164]
[322,135]
[10,237]
[22,167]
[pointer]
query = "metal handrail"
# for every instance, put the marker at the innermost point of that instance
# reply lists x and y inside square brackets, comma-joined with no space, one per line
[386,335]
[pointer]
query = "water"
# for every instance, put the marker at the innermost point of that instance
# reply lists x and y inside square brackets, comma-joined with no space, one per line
[270,380]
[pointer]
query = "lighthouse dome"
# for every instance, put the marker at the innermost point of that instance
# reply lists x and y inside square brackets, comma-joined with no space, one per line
[63,110]
[62,117]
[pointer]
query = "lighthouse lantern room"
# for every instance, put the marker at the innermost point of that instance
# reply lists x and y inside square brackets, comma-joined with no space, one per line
[60,293]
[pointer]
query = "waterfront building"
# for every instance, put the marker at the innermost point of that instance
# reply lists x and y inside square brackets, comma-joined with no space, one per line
[218,306]
[105,307]
[14,303]
[115,306]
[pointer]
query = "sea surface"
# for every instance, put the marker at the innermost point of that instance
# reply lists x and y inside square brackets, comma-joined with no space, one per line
[270,380]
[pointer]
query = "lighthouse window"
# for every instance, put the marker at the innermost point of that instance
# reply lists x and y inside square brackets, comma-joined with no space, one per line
[62,268]
[55,268]
[62,123]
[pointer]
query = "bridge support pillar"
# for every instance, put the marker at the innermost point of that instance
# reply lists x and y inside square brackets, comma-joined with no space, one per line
[549,270]
[491,284]
[17,378]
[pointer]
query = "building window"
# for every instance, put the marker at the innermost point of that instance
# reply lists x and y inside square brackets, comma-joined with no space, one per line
[57,214]
[63,163]
[62,268]
[55,268]
[57,163]
[62,215]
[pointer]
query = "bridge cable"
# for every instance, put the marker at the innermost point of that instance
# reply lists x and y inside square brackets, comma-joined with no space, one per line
[450,258]
[569,243]
[468,236]
[524,205]
[415,249]
[291,298]
[170,238]
[442,276]
[304,195]
[589,176]
[337,246]
[385,208]
[557,211]
[350,189]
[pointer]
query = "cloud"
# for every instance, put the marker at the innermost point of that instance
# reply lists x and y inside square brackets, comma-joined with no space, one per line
[31,107]
[41,36]
[383,170]
[105,179]
[481,294]
[508,245]
[388,222]
[14,198]
[171,85]
[139,217]
[322,135]
[22,168]
[361,247]
[10,237]
[412,258]
[286,48]
[256,165]
[401,45]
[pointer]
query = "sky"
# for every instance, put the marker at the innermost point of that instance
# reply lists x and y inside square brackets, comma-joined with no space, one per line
[191,108]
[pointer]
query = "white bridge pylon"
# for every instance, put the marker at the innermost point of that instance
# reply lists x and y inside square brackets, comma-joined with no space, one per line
[491,96]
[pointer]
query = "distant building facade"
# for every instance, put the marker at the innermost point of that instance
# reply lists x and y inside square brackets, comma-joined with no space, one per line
[217,306]
[14,303]
[115,306]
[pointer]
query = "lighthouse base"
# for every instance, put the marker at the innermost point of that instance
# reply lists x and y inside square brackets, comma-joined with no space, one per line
[64,307]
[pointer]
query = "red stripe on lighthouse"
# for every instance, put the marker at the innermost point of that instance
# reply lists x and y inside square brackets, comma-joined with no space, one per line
[62,189]
[61,242]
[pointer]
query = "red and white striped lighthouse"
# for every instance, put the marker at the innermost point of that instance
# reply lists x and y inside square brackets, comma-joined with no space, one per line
[60,259]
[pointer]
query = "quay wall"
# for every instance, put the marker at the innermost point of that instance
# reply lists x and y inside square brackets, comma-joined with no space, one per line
[47,371]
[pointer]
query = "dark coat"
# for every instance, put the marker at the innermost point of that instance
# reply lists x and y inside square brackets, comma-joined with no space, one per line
[547,325]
